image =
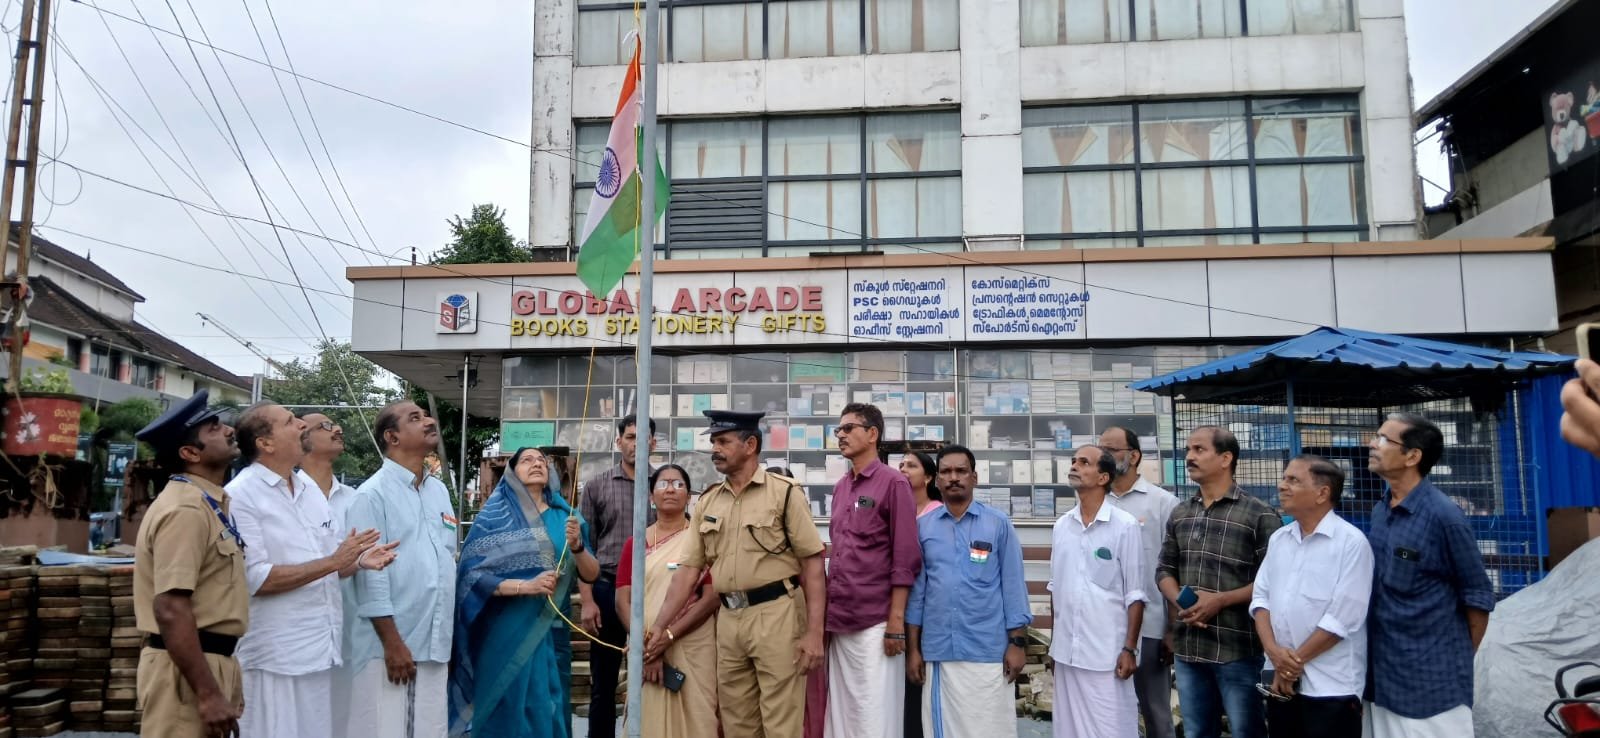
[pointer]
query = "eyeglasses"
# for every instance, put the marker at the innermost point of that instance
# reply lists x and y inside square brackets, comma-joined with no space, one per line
[667,484]
[1383,440]
[845,429]
[327,425]
[533,459]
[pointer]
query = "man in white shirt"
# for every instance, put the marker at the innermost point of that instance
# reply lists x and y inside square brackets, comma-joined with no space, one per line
[293,558]
[1097,596]
[324,446]
[1151,506]
[1310,608]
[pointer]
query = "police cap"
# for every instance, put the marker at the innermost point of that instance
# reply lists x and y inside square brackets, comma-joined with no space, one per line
[732,420]
[168,430]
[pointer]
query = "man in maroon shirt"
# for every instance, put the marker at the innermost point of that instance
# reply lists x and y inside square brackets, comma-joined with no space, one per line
[874,561]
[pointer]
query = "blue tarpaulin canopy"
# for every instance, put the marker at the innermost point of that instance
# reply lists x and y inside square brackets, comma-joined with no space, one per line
[1351,368]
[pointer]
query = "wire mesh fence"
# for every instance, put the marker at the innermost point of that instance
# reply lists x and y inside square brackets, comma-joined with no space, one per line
[1485,468]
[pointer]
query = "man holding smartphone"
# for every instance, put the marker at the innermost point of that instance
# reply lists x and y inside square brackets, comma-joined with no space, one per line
[1310,606]
[1215,542]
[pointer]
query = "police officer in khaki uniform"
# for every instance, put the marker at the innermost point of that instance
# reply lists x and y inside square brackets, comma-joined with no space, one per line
[189,593]
[755,531]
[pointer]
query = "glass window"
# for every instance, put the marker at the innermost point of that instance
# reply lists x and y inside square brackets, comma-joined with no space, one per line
[703,33]
[1192,131]
[1055,22]
[801,28]
[1166,20]
[602,37]
[802,146]
[1077,136]
[1307,195]
[914,208]
[1079,202]
[902,26]
[917,142]
[814,211]
[590,139]
[1194,199]
[1303,128]
[712,149]
[1286,17]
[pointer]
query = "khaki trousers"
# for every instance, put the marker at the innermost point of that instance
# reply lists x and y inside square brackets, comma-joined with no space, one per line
[168,704]
[761,693]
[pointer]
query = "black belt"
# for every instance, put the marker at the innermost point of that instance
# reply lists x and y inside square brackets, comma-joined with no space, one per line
[763,593]
[214,643]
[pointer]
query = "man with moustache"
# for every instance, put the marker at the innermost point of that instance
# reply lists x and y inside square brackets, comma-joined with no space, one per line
[1097,585]
[968,614]
[189,595]
[325,444]
[874,561]
[755,531]
[398,656]
[1215,542]
[1431,597]
[1152,507]
[294,558]
[1310,607]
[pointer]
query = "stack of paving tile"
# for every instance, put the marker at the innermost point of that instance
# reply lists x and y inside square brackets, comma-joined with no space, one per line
[581,675]
[121,706]
[92,647]
[38,712]
[59,610]
[16,636]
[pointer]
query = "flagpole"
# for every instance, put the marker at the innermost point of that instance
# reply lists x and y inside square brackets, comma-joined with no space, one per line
[641,402]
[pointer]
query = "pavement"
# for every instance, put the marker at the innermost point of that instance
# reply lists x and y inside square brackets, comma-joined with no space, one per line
[1026,728]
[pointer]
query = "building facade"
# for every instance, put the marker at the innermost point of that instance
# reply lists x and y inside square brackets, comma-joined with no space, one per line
[1520,131]
[82,320]
[986,217]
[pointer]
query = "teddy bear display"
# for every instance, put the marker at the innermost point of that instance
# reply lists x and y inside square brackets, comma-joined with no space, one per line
[1567,136]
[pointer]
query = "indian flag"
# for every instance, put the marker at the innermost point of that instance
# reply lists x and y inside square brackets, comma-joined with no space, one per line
[612,232]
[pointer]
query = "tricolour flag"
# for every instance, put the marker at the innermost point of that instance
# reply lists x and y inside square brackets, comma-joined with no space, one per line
[612,231]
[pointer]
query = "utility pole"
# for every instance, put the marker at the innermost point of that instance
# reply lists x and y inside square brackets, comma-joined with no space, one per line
[31,45]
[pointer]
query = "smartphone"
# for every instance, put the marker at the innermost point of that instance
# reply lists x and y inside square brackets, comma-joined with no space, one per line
[671,678]
[1187,597]
[1589,341]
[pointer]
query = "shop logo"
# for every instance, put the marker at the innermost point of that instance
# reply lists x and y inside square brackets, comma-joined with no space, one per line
[457,312]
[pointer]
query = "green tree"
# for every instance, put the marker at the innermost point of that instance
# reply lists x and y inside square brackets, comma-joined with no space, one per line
[337,379]
[481,238]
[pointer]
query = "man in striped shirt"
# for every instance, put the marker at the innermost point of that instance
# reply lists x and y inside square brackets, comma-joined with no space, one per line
[1214,545]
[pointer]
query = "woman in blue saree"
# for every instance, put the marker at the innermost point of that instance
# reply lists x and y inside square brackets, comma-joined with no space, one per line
[512,670]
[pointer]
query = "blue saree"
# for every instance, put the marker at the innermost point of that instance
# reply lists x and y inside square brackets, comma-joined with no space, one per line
[512,664]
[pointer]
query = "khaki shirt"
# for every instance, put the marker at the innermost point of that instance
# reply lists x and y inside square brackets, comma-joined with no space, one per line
[741,535]
[184,546]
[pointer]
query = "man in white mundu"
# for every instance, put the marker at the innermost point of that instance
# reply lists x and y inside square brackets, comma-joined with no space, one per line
[294,557]
[398,655]
[968,614]
[875,560]
[1097,596]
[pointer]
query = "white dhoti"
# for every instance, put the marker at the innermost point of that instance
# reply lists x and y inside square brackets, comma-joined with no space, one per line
[965,699]
[1377,722]
[1093,704]
[866,689]
[379,709]
[282,706]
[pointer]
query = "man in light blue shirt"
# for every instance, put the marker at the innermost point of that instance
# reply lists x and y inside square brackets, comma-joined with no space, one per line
[968,612]
[397,658]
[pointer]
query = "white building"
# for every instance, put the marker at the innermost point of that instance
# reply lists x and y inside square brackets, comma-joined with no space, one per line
[864,192]
[83,316]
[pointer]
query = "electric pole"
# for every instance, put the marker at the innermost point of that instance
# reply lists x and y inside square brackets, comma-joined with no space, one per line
[33,34]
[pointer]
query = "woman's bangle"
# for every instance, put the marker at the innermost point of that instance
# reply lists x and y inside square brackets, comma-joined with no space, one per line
[668,631]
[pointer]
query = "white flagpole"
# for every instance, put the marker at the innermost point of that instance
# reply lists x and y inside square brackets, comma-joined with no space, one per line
[641,400]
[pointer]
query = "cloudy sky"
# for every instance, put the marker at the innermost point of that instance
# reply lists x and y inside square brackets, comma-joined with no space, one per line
[130,103]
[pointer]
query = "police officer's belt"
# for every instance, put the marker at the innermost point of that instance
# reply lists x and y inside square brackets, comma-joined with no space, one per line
[216,643]
[763,593]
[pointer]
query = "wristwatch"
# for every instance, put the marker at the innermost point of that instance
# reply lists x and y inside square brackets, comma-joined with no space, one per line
[1019,641]
[1130,652]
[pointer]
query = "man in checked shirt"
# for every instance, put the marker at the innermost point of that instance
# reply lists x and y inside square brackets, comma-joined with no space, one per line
[1215,542]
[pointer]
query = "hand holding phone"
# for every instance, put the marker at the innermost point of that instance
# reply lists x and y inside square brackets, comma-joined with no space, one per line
[1187,597]
[671,677]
